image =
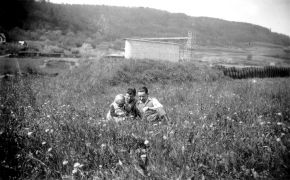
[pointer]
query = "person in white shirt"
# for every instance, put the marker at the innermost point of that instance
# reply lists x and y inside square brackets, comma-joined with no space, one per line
[150,108]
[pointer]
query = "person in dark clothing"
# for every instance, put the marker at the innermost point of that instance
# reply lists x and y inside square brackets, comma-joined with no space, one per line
[130,105]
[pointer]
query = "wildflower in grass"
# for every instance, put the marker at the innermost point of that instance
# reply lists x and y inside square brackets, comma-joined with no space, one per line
[103,145]
[241,122]
[29,133]
[76,165]
[146,142]
[143,150]
[51,131]
[46,130]
[182,149]
[100,166]
[48,116]
[65,162]
[143,157]
[262,123]
[279,123]
[49,149]
[164,137]
[255,174]
[43,143]
[74,171]
[278,139]
[254,81]
[120,163]
[279,114]
[190,112]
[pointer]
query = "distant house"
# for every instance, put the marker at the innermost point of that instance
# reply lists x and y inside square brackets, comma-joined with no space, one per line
[2,38]
[147,49]
[159,48]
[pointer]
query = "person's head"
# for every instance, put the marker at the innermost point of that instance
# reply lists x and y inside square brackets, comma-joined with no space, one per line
[130,94]
[120,100]
[143,94]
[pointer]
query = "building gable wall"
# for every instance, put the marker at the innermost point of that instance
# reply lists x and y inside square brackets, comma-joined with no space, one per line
[151,50]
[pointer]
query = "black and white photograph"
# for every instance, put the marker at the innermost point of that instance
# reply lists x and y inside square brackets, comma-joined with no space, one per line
[144,89]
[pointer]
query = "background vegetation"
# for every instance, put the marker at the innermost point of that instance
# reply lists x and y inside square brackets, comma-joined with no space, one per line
[69,26]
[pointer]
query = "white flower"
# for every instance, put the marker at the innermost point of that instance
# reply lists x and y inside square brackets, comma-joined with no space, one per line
[65,162]
[76,165]
[279,114]
[48,116]
[146,142]
[46,130]
[74,171]
[120,162]
[143,157]
[164,137]
[103,145]
[279,123]
[51,131]
[49,149]
[278,139]
[43,143]
[262,123]
[29,133]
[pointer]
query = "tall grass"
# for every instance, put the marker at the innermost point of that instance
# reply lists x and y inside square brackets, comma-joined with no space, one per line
[218,128]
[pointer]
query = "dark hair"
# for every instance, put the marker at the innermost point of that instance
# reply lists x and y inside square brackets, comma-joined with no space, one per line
[131,91]
[143,89]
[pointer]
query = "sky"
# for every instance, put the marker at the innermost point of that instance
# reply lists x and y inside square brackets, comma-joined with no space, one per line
[272,14]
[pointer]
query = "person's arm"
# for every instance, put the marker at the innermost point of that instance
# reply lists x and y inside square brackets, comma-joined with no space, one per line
[156,104]
[112,111]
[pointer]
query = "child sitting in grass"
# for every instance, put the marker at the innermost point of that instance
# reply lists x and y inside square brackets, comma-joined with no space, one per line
[117,110]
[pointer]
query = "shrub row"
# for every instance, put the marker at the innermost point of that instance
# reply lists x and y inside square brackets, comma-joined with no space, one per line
[252,72]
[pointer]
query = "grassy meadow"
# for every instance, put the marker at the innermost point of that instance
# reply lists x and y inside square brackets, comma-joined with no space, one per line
[219,128]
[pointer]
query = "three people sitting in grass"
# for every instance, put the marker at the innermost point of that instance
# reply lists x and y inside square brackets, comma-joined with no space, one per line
[147,108]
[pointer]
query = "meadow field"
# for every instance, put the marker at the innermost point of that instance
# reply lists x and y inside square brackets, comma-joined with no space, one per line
[54,127]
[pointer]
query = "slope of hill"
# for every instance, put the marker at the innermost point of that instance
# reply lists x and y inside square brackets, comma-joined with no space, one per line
[75,24]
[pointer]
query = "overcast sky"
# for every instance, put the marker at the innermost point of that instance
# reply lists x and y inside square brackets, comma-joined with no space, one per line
[273,14]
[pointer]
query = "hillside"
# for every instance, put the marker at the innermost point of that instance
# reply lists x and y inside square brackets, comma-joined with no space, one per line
[72,25]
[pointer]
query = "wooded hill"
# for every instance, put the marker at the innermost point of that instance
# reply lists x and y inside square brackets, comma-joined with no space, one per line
[72,25]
